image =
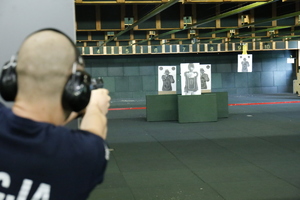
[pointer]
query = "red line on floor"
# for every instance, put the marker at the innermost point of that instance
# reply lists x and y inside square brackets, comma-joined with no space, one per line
[135,108]
[249,104]
[233,104]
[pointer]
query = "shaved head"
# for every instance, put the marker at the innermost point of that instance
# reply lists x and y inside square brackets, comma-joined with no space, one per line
[45,62]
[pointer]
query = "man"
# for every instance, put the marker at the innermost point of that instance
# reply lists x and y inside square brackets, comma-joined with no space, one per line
[204,78]
[41,159]
[245,65]
[191,85]
[167,81]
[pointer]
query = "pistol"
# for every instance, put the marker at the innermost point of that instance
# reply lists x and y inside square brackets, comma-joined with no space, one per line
[97,83]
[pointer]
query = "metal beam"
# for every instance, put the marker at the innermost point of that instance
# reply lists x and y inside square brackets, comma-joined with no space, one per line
[118,2]
[259,31]
[164,1]
[269,39]
[263,30]
[148,16]
[226,14]
[274,18]
[246,25]
[223,1]
[209,40]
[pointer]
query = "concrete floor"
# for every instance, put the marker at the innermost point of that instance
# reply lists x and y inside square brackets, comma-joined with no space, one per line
[253,154]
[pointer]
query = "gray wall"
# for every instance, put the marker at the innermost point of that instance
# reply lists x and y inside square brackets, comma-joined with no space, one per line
[19,18]
[133,77]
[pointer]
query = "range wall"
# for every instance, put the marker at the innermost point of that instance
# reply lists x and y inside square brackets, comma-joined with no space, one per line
[135,76]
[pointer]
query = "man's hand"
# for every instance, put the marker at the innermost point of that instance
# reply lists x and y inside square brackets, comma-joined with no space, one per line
[100,99]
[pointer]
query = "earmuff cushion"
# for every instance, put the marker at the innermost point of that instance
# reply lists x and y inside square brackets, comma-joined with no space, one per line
[8,82]
[77,92]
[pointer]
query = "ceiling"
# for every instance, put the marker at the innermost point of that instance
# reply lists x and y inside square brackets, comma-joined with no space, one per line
[186,21]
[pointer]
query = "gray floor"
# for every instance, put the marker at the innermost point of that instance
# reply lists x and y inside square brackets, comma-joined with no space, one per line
[252,154]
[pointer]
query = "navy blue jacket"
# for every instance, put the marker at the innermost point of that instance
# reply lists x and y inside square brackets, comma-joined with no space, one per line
[40,161]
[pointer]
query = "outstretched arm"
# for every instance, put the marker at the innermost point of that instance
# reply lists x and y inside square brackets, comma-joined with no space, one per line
[95,120]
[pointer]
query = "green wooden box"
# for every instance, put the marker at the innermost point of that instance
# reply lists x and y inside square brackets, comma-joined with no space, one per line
[222,104]
[197,108]
[161,107]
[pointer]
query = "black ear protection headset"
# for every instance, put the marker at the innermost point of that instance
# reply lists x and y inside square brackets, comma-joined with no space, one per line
[76,94]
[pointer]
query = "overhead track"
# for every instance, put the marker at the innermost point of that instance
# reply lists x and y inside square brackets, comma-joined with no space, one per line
[222,1]
[226,14]
[264,30]
[246,25]
[162,1]
[256,37]
[148,16]
[265,39]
